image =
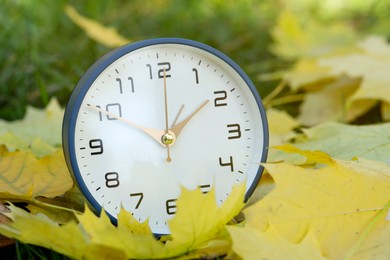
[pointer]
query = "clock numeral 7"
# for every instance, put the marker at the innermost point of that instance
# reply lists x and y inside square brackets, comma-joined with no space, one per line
[160,72]
[140,196]
[229,164]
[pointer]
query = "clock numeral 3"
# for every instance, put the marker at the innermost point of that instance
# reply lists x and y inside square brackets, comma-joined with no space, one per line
[120,84]
[112,179]
[97,145]
[140,196]
[235,131]
[170,206]
[230,163]
[220,100]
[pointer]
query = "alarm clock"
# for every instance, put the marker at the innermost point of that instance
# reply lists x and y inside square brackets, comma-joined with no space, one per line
[157,115]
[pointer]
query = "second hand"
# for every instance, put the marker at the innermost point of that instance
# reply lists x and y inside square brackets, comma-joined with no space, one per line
[169,159]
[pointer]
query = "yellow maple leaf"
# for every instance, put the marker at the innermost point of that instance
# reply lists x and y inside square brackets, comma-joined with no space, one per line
[23,176]
[251,243]
[95,30]
[195,231]
[342,203]
[279,133]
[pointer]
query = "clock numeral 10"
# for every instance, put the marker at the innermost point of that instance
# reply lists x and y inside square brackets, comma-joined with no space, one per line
[113,108]
[120,84]
[160,72]
[227,164]
[112,179]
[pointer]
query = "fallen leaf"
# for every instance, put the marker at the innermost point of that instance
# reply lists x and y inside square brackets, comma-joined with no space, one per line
[39,131]
[251,243]
[280,132]
[341,202]
[95,30]
[342,141]
[23,176]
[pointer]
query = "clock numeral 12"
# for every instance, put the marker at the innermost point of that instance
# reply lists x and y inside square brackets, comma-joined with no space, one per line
[160,72]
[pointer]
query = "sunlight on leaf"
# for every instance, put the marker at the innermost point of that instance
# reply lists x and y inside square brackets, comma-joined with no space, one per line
[338,201]
[95,30]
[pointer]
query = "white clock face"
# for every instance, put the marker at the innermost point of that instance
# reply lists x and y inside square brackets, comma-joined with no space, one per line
[159,118]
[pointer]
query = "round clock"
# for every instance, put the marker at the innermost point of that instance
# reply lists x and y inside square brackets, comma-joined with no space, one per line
[157,115]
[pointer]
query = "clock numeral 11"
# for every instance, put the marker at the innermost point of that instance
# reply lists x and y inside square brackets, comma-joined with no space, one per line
[120,84]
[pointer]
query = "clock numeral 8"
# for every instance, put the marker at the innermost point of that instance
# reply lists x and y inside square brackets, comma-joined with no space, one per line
[112,179]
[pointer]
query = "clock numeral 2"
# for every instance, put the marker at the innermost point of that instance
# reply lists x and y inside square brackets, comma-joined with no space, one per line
[219,101]
[112,179]
[224,164]
[97,145]
[160,72]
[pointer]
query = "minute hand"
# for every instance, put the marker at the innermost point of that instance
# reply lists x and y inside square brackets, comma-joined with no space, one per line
[179,127]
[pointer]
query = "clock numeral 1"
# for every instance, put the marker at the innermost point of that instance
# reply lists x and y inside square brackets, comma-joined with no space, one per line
[230,163]
[170,206]
[112,179]
[235,131]
[220,100]
[120,84]
[140,196]
[196,75]
[97,145]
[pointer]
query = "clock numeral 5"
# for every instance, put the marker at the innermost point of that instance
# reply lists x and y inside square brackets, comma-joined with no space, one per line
[112,179]
[219,101]
[120,84]
[170,206]
[97,145]
[230,163]
[140,196]
[160,72]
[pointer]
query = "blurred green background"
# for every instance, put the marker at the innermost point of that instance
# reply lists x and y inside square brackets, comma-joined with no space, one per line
[43,53]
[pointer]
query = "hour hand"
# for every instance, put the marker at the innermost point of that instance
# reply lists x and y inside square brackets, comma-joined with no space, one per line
[176,129]
[156,134]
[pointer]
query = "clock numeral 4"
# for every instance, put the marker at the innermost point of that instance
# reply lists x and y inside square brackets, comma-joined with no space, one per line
[220,100]
[160,72]
[227,164]
[170,206]
[96,145]
[140,197]
[112,179]
[130,79]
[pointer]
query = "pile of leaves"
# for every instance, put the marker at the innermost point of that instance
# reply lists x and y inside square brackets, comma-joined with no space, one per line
[325,193]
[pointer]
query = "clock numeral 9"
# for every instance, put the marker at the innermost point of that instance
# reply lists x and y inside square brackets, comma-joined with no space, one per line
[235,130]
[230,163]
[112,179]
[170,206]
[160,72]
[140,196]
[97,145]
[120,84]
[220,100]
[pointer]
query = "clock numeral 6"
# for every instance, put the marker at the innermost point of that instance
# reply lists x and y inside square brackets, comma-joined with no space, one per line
[224,164]
[112,179]
[97,145]
[160,72]
[219,101]
[170,206]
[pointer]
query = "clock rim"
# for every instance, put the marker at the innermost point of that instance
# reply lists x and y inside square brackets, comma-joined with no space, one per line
[85,82]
